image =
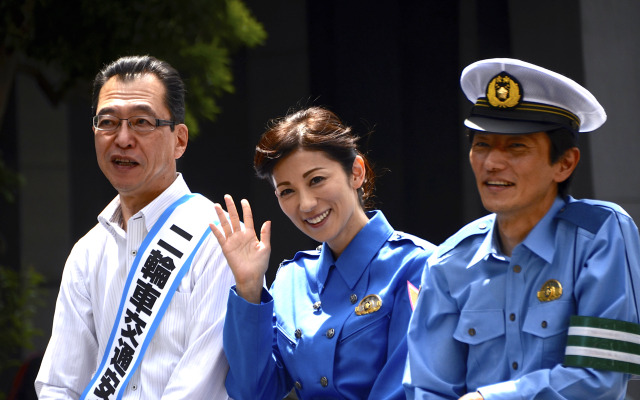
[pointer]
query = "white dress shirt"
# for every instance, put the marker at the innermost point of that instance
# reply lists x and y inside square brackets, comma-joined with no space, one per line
[185,359]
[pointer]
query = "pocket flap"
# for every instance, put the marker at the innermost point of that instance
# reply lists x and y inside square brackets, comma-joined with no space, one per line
[477,326]
[549,319]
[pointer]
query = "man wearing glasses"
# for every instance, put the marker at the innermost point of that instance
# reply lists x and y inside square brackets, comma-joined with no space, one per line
[143,294]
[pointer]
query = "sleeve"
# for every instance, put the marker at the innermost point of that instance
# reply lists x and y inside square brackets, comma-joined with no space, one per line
[201,371]
[388,385]
[66,370]
[603,289]
[436,362]
[256,370]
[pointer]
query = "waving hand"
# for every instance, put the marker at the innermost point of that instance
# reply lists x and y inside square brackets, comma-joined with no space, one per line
[247,255]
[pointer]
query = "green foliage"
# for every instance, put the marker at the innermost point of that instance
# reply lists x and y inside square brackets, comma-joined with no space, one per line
[76,38]
[19,299]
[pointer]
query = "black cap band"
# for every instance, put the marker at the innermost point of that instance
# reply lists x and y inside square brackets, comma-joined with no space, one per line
[527,112]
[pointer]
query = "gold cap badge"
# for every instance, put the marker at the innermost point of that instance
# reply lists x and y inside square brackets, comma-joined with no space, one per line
[369,304]
[504,91]
[551,290]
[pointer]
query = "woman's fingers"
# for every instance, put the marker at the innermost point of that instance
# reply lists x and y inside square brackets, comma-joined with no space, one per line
[265,235]
[233,213]
[220,229]
[247,215]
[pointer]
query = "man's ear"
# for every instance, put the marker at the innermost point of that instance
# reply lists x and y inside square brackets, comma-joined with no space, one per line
[182,138]
[567,164]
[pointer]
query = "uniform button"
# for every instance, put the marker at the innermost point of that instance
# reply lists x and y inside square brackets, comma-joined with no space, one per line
[517,269]
[324,381]
[544,324]
[298,385]
[298,333]
[134,252]
[353,298]
[134,387]
[330,333]
[472,332]
[482,226]
[514,365]
[512,317]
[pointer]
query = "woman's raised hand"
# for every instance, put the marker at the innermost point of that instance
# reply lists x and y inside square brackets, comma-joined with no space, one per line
[247,255]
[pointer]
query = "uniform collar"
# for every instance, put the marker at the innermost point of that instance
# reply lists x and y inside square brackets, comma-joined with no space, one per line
[361,250]
[539,241]
[111,216]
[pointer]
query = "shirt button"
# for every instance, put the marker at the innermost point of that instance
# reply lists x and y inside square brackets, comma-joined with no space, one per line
[472,332]
[514,365]
[298,385]
[134,387]
[512,317]
[543,324]
[517,269]
[134,252]
[330,333]
[298,333]
[353,298]
[324,381]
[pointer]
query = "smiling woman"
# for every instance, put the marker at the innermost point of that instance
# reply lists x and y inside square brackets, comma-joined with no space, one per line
[313,312]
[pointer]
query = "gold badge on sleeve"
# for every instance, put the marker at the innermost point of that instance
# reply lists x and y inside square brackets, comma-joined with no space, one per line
[551,290]
[369,304]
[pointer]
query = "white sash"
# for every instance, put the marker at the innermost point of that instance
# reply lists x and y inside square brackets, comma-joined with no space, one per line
[164,257]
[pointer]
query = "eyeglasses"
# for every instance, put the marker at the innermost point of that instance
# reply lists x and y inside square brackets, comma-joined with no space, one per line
[109,123]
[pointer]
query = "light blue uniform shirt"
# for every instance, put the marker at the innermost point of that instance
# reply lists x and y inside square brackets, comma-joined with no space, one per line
[326,350]
[479,324]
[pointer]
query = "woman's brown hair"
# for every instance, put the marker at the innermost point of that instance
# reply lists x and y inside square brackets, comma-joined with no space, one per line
[313,129]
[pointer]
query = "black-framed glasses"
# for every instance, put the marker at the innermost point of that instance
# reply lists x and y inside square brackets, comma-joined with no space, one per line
[144,124]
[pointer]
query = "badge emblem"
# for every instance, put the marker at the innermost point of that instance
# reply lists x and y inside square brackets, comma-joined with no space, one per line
[504,91]
[551,290]
[369,304]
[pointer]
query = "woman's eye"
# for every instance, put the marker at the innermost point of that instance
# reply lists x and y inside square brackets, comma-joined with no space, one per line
[316,180]
[285,192]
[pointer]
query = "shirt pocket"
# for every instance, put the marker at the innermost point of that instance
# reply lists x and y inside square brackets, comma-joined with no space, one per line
[480,329]
[359,325]
[547,324]
[286,340]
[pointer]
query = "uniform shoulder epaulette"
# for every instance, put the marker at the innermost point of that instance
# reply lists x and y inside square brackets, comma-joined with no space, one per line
[478,227]
[398,236]
[588,215]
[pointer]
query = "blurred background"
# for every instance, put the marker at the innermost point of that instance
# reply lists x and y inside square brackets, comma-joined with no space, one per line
[389,69]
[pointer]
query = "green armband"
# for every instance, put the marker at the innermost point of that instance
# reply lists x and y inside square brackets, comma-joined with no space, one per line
[606,344]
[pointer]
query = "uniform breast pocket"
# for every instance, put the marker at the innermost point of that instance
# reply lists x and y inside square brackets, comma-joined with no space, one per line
[480,330]
[286,340]
[548,323]
[373,327]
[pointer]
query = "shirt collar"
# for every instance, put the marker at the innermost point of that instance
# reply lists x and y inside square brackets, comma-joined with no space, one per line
[489,245]
[111,216]
[540,240]
[361,250]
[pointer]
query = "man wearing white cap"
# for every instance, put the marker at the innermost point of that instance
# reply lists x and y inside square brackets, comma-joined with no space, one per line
[536,300]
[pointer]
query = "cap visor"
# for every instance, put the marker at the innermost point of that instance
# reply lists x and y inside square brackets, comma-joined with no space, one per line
[506,126]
